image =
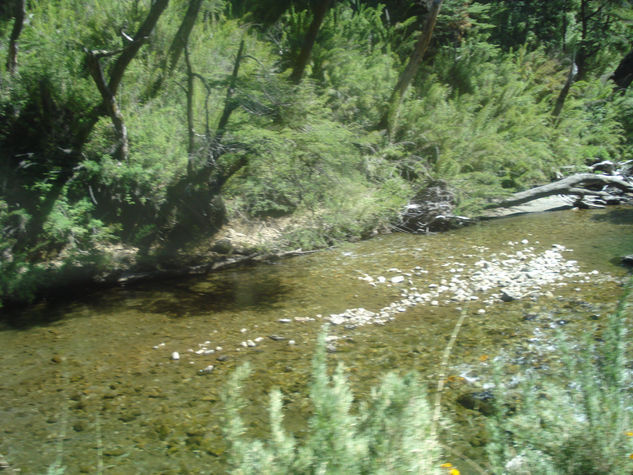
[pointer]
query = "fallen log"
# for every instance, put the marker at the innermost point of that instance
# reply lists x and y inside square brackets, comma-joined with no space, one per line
[571,185]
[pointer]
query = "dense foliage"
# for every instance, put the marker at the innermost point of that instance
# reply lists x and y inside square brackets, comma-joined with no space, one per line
[147,123]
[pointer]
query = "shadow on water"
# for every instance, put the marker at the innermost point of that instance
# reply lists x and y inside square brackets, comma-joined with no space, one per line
[184,297]
[616,216]
[229,291]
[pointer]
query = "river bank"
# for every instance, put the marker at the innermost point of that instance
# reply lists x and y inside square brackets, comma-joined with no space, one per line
[239,242]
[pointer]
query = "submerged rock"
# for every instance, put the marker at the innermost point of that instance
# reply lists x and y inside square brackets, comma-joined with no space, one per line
[482,401]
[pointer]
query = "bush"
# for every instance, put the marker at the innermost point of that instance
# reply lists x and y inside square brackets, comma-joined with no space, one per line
[576,422]
[390,433]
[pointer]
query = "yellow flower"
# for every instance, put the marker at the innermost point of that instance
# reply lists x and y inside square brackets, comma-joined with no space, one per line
[451,470]
[629,433]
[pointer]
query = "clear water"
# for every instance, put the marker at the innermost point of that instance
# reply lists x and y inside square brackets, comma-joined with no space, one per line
[90,383]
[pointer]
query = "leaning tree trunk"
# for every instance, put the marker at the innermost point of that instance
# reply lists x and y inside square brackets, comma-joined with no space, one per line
[572,185]
[405,79]
[19,15]
[308,44]
[178,44]
[562,96]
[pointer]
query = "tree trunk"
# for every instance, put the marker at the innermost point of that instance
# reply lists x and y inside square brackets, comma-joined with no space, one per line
[623,75]
[190,130]
[319,12]
[176,48]
[562,96]
[411,68]
[110,105]
[19,15]
[122,62]
[569,185]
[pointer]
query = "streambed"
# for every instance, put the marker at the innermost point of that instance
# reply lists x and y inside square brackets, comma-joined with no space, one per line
[129,380]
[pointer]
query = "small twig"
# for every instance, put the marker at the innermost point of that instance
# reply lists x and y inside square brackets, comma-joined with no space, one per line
[442,376]
[99,445]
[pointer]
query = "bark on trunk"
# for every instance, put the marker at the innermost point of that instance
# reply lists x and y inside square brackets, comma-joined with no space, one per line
[19,15]
[572,185]
[319,12]
[412,67]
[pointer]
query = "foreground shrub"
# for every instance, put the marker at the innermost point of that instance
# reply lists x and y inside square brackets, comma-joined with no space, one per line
[390,433]
[577,422]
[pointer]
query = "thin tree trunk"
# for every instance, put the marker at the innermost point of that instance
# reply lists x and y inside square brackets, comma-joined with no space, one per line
[562,96]
[110,105]
[176,48]
[19,15]
[319,12]
[122,62]
[190,129]
[411,68]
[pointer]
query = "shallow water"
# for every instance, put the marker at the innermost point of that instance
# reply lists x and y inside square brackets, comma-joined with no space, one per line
[95,390]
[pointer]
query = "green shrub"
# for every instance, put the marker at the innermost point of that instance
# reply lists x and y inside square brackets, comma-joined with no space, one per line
[389,433]
[579,420]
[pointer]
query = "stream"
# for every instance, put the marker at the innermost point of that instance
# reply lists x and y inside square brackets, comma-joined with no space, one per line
[128,380]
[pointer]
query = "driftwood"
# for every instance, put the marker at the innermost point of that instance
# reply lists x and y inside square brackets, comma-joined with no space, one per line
[577,184]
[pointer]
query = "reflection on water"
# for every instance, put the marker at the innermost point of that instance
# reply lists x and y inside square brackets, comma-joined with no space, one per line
[96,389]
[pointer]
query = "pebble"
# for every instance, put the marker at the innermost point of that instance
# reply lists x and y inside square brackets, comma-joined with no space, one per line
[291,342]
[175,356]
[206,370]
[285,320]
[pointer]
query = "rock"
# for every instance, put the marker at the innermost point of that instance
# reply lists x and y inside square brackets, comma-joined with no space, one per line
[482,401]
[206,370]
[285,320]
[397,279]
[627,260]
[431,211]
[175,356]
[276,337]
[223,246]
[509,295]
[222,358]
